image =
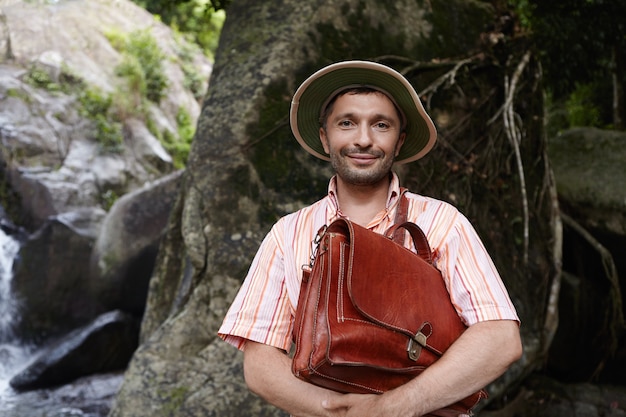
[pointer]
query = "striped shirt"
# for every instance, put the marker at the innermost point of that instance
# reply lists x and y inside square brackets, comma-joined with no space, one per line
[264,308]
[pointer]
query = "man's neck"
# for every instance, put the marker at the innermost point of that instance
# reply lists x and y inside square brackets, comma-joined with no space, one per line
[361,203]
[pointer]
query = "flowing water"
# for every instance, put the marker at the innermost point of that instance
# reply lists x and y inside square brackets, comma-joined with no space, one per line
[12,354]
[86,397]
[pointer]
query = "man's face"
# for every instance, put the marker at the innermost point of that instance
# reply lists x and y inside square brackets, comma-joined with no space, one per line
[362,135]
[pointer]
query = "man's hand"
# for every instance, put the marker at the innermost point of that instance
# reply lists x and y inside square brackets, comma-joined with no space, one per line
[478,357]
[482,353]
[357,405]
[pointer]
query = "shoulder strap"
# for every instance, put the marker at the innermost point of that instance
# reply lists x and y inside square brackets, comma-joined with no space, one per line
[401,215]
[400,222]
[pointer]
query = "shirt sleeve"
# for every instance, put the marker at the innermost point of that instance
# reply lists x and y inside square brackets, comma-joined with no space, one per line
[261,311]
[475,286]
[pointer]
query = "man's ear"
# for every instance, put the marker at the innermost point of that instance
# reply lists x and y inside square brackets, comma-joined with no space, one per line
[400,142]
[324,140]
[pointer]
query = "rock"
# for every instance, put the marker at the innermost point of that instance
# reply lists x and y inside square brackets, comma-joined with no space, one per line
[124,253]
[83,263]
[543,396]
[146,147]
[588,165]
[89,396]
[104,345]
[50,154]
[50,275]
[56,169]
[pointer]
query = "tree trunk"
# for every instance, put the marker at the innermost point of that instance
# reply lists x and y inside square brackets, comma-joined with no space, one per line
[245,170]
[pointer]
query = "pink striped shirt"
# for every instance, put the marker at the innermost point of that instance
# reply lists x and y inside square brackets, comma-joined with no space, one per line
[264,308]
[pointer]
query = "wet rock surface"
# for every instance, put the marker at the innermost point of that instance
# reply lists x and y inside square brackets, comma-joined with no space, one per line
[106,344]
[86,397]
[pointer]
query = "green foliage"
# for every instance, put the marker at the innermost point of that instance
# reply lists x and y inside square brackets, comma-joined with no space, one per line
[179,147]
[65,81]
[108,198]
[40,78]
[194,80]
[200,21]
[145,79]
[97,107]
[581,109]
[141,64]
[580,43]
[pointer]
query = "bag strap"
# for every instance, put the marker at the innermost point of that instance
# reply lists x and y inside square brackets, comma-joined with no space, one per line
[401,215]
[419,238]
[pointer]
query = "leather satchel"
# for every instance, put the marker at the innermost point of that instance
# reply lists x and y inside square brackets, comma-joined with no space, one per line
[372,315]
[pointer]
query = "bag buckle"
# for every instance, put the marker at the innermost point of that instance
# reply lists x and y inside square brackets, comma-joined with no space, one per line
[417,342]
[315,243]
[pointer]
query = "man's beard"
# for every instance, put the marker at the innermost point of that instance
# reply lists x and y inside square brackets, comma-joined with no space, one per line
[369,175]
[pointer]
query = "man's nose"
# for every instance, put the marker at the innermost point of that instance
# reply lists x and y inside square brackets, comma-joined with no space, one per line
[363,137]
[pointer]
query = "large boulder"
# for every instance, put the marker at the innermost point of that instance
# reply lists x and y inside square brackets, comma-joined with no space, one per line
[51,275]
[589,169]
[104,345]
[123,255]
[81,264]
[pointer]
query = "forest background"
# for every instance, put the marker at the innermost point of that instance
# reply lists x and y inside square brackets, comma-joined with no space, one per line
[581,45]
[574,76]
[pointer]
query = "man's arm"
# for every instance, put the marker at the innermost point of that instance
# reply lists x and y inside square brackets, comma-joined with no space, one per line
[267,371]
[482,353]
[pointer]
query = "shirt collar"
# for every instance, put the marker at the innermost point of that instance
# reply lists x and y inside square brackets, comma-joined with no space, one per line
[392,198]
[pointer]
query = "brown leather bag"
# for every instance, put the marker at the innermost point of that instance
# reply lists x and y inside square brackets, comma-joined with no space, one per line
[372,315]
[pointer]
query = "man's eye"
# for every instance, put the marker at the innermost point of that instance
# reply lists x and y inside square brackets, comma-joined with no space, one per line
[382,125]
[345,123]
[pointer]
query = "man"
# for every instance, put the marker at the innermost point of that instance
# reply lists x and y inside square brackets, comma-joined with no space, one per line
[362,116]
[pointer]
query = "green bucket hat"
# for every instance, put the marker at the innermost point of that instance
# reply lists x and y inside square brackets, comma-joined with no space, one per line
[316,91]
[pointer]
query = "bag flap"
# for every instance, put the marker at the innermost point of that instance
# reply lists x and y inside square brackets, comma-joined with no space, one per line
[395,288]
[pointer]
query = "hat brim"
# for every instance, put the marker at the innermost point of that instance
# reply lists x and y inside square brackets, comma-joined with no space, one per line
[315,91]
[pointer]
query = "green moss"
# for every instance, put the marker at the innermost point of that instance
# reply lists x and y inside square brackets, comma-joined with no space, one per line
[273,148]
[173,400]
[356,43]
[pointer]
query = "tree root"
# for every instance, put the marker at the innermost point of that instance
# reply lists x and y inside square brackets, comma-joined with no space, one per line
[616,315]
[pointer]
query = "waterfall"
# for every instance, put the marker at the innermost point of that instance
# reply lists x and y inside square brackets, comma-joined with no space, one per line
[8,304]
[12,354]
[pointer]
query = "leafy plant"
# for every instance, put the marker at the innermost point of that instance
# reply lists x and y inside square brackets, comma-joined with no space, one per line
[38,77]
[141,64]
[581,42]
[581,109]
[179,147]
[186,51]
[97,107]
[199,20]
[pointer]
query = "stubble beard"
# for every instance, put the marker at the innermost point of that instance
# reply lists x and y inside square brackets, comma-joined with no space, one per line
[365,176]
